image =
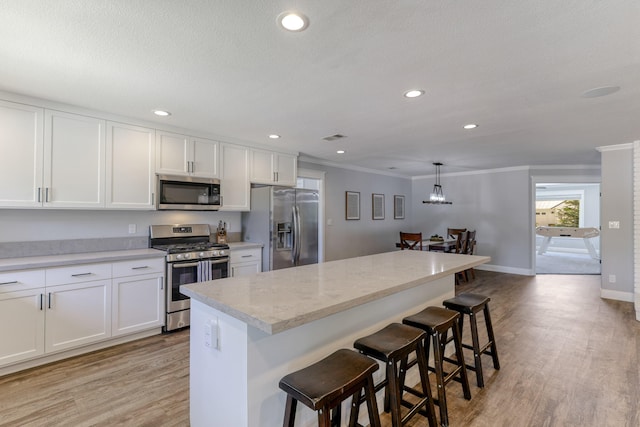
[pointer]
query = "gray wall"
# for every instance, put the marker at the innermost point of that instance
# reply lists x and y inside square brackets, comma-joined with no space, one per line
[497,204]
[617,205]
[347,239]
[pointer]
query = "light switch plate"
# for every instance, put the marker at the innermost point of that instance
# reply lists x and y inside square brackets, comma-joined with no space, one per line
[614,224]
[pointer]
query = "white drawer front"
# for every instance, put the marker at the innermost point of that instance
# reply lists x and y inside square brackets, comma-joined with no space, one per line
[245,255]
[78,273]
[21,280]
[137,267]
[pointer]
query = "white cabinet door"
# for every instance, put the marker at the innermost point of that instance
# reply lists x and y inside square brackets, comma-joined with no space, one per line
[21,154]
[137,303]
[173,154]
[77,314]
[262,167]
[286,169]
[130,166]
[234,177]
[205,158]
[273,168]
[245,269]
[74,161]
[21,325]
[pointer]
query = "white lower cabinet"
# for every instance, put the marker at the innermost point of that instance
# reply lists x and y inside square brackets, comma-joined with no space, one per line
[21,325]
[52,310]
[244,262]
[77,314]
[137,301]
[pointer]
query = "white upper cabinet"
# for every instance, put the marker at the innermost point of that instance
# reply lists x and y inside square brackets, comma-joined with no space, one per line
[130,167]
[182,155]
[21,154]
[74,161]
[205,158]
[234,177]
[268,167]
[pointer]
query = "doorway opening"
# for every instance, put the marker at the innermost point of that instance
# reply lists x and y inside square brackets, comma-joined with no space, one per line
[567,228]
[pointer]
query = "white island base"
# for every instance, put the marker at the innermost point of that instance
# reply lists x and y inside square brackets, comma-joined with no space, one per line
[237,384]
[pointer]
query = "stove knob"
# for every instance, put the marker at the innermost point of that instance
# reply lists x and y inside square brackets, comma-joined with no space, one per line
[201,254]
[187,256]
[179,256]
[214,253]
[223,252]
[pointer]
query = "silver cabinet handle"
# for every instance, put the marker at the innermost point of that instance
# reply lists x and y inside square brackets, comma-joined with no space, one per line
[153,199]
[49,305]
[46,195]
[39,194]
[81,274]
[9,283]
[140,268]
[246,256]
[41,301]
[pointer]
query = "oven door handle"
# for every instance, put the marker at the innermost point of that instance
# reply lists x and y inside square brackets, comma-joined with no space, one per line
[220,261]
[184,265]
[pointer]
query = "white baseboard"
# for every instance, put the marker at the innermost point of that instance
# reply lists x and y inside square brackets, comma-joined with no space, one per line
[509,270]
[617,295]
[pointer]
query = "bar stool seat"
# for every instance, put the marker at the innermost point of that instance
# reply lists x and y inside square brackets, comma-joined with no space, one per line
[323,386]
[393,345]
[437,322]
[471,304]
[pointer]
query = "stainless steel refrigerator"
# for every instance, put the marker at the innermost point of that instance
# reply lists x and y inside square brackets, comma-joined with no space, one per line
[286,221]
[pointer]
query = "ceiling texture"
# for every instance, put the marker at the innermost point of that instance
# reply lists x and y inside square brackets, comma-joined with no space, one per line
[518,69]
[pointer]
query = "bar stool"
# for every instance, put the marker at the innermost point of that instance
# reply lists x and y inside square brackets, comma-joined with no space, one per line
[323,386]
[472,304]
[437,322]
[393,345]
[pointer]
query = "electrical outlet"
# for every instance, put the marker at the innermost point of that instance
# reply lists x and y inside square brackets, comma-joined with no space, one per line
[212,334]
[612,278]
[132,228]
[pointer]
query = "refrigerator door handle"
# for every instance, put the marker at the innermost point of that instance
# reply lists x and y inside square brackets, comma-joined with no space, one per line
[294,246]
[299,235]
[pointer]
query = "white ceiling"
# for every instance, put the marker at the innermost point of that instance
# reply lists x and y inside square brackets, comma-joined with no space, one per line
[516,68]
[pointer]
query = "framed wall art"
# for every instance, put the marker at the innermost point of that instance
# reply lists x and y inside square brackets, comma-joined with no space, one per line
[377,206]
[352,203]
[398,207]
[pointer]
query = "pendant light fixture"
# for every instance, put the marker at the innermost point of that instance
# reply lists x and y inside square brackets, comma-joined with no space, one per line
[437,196]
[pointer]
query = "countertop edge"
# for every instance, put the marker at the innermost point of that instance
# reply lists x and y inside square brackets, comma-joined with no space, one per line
[48,261]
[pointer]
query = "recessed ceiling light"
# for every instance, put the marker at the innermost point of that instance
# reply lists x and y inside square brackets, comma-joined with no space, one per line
[161,113]
[293,21]
[470,126]
[274,136]
[600,91]
[413,93]
[340,151]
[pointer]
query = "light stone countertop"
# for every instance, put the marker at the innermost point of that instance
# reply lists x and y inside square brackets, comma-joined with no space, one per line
[244,245]
[275,301]
[25,263]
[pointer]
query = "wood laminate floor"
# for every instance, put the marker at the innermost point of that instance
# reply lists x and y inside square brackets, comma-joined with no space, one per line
[568,358]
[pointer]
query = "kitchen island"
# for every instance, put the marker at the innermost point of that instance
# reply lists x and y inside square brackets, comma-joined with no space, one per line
[248,332]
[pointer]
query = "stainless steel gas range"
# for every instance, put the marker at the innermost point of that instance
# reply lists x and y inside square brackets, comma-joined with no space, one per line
[191,258]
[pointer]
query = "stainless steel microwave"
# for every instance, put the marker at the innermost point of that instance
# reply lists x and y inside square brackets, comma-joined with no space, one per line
[187,193]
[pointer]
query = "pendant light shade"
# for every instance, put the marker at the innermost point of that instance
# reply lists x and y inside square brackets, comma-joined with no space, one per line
[437,195]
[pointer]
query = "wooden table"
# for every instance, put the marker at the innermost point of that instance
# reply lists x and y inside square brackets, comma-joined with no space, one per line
[247,332]
[437,245]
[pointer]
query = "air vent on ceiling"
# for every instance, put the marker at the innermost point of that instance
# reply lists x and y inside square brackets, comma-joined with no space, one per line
[334,137]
